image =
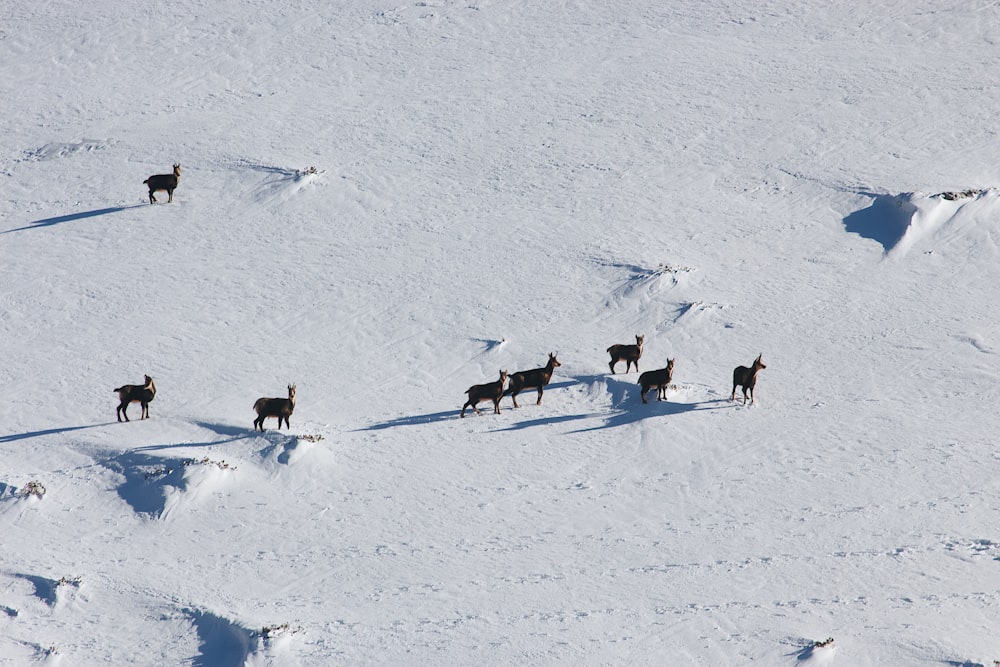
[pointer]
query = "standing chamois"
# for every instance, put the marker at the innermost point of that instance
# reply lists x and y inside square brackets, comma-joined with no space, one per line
[628,353]
[535,378]
[492,391]
[274,407]
[166,182]
[659,379]
[746,378]
[131,393]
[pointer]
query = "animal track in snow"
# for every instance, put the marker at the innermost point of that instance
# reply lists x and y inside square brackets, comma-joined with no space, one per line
[976,548]
[55,151]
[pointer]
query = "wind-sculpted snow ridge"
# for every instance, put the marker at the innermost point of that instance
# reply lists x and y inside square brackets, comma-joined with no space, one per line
[267,184]
[911,220]
[55,593]
[285,449]
[156,486]
[224,642]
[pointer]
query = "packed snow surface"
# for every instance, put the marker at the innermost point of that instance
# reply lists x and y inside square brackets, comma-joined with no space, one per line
[385,203]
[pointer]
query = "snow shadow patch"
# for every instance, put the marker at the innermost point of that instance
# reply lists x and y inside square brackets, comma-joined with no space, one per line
[46,589]
[52,431]
[70,217]
[156,486]
[414,420]
[285,449]
[627,406]
[884,222]
[235,432]
[146,481]
[222,642]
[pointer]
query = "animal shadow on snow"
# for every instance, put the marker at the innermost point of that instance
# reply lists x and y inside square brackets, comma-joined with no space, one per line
[448,415]
[222,643]
[48,222]
[414,420]
[541,421]
[232,432]
[627,406]
[51,431]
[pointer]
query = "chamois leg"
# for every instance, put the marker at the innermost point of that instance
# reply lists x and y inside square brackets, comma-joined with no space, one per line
[612,366]
[539,401]
[123,410]
[170,196]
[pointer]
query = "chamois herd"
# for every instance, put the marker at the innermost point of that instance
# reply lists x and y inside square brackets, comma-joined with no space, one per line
[537,378]
[744,377]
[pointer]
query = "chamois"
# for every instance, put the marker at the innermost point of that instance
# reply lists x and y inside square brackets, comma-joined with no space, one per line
[166,182]
[274,407]
[746,378]
[628,353]
[535,378]
[659,379]
[131,393]
[492,391]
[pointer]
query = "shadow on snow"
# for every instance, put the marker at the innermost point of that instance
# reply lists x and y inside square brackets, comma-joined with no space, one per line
[884,222]
[222,643]
[626,407]
[45,588]
[48,222]
[51,431]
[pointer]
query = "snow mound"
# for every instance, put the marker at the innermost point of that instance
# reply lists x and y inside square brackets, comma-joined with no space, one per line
[911,220]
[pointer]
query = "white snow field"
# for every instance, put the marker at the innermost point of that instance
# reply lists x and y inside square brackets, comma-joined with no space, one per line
[387,202]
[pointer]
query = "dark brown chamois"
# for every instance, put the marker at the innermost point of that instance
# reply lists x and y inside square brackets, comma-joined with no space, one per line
[746,378]
[628,353]
[535,378]
[659,379]
[281,408]
[132,393]
[166,182]
[492,391]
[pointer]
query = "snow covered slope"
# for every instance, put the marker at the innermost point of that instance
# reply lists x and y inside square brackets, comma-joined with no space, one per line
[385,203]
